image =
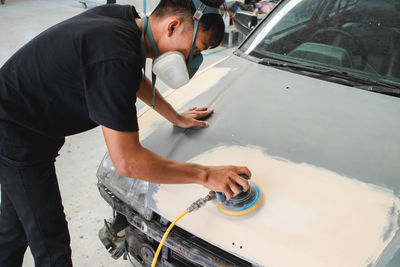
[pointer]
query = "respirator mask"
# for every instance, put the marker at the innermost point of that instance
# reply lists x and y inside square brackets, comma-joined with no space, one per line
[171,67]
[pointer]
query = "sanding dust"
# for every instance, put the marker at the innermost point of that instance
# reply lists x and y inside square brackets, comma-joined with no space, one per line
[148,118]
[309,216]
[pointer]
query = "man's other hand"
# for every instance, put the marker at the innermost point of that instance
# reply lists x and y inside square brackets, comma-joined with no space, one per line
[191,117]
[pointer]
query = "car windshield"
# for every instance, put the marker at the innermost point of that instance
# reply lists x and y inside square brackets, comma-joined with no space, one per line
[356,37]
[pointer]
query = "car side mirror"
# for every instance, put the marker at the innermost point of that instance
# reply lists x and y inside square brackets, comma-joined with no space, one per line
[244,21]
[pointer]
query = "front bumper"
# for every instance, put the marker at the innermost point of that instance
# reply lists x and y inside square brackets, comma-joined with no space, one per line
[187,246]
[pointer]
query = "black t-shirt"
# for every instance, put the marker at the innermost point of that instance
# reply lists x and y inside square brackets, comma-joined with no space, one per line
[78,74]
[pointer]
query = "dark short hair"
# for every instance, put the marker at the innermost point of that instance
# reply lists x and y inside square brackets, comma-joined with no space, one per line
[186,10]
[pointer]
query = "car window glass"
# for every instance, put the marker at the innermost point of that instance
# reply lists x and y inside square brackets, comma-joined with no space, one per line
[341,6]
[298,15]
[356,36]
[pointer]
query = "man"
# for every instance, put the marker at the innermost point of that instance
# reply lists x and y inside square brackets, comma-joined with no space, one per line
[81,73]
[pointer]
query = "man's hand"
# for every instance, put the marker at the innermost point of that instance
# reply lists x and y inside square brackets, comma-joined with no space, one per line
[190,118]
[225,179]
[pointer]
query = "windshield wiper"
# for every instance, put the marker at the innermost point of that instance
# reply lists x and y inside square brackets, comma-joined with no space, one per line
[362,82]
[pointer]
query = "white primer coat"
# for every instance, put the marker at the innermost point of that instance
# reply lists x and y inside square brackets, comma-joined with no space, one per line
[309,216]
[148,118]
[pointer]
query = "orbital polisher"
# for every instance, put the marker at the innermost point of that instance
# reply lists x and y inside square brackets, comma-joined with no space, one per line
[245,202]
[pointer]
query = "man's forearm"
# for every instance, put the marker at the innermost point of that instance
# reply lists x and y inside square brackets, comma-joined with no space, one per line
[151,167]
[161,105]
[131,159]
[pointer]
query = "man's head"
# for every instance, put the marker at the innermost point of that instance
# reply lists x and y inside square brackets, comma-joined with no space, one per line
[173,27]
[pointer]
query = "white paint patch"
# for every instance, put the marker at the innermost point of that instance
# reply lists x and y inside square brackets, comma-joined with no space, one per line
[309,216]
[148,118]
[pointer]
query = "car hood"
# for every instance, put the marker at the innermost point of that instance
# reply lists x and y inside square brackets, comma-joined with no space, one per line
[324,155]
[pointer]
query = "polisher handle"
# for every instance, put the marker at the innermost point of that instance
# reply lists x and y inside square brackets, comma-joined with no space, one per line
[221,196]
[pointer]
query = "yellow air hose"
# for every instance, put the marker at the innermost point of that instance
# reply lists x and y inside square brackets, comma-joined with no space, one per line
[153,264]
[195,206]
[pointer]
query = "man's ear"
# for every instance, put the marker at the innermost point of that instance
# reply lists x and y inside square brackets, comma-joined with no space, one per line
[174,25]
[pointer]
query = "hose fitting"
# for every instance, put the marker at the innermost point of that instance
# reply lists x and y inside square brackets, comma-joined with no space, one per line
[201,202]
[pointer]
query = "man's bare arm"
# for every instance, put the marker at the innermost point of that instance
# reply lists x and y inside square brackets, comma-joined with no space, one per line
[132,160]
[185,120]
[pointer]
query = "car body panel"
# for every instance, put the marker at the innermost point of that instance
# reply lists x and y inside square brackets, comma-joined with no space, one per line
[347,130]
[329,129]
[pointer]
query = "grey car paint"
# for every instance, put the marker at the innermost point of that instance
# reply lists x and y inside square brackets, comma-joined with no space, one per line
[350,131]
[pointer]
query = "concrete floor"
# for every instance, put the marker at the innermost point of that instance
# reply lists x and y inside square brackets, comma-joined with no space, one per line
[82,153]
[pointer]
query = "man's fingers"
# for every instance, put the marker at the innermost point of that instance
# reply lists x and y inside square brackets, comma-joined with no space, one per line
[202,108]
[201,123]
[243,170]
[192,108]
[234,187]
[242,182]
[202,114]
[228,192]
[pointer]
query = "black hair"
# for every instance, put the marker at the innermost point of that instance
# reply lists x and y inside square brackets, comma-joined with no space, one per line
[186,9]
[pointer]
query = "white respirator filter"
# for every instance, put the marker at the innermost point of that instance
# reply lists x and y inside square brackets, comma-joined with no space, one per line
[171,69]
